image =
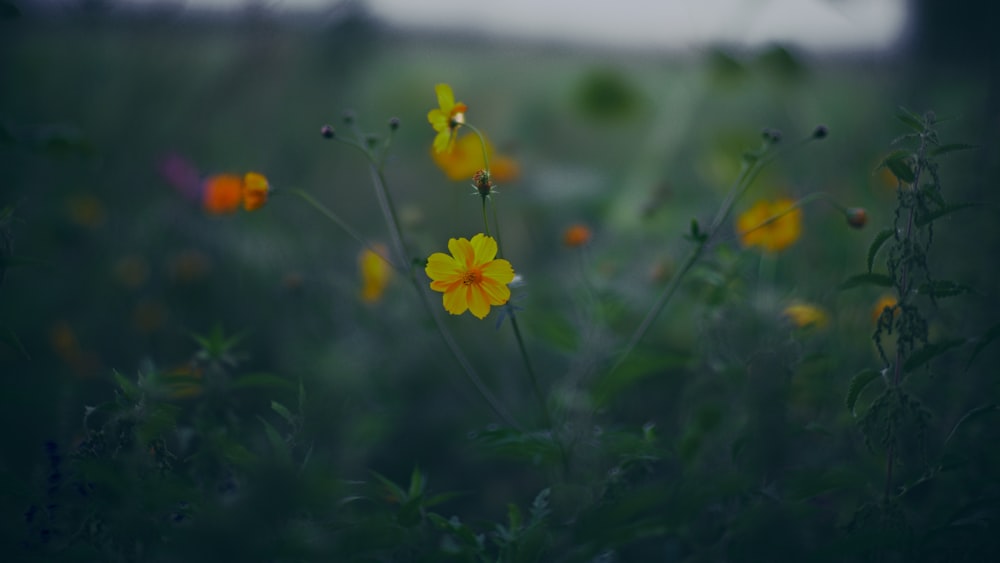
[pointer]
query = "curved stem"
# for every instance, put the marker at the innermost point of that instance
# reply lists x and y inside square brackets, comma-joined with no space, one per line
[482,143]
[323,210]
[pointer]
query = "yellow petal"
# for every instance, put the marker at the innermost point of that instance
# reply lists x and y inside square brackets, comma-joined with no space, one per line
[498,270]
[446,98]
[485,248]
[438,119]
[456,302]
[462,251]
[478,301]
[441,267]
[496,293]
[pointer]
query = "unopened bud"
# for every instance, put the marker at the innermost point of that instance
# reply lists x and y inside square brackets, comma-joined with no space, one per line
[857,217]
[348,117]
[820,132]
[482,182]
[327,132]
[394,123]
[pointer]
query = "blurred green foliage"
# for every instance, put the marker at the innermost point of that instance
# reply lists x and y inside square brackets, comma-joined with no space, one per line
[181,386]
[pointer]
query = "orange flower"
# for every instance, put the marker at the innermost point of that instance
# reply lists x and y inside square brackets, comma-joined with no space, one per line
[886,301]
[773,226]
[471,278]
[576,235]
[466,158]
[222,193]
[375,273]
[446,118]
[255,191]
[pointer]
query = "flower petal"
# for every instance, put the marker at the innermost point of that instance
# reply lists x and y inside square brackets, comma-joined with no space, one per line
[462,251]
[485,248]
[441,267]
[456,301]
[498,270]
[446,98]
[478,301]
[438,119]
[496,293]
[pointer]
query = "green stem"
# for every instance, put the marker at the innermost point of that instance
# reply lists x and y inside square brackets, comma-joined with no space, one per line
[323,210]
[486,223]
[482,143]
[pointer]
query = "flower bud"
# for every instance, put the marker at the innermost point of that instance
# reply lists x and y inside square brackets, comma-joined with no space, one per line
[327,132]
[394,124]
[820,132]
[857,217]
[483,183]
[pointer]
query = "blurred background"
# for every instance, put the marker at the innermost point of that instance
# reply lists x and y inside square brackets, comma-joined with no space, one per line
[630,117]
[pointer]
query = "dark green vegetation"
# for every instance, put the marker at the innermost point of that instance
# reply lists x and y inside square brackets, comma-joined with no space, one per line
[314,427]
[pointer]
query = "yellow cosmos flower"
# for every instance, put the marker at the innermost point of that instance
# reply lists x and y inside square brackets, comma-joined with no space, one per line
[255,191]
[804,314]
[466,158]
[446,118]
[375,273]
[471,278]
[886,301]
[757,226]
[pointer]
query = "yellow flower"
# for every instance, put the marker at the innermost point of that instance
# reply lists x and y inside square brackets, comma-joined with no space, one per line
[886,301]
[758,226]
[375,273]
[470,278]
[255,191]
[466,158]
[804,314]
[446,118]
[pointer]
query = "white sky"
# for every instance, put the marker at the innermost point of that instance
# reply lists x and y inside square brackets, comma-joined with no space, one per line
[667,24]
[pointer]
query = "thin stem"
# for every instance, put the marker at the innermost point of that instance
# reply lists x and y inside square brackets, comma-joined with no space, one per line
[343,225]
[482,143]
[486,223]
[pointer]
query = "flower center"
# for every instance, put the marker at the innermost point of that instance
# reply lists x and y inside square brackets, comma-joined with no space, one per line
[456,120]
[472,277]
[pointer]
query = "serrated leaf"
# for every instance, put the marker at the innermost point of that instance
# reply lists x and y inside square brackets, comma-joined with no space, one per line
[952,147]
[982,342]
[923,220]
[900,168]
[972,414]
[910,119]
[876,245]
[941,288]
[283,411]
[929,352]
[880,280]
[857,385]
[128,388]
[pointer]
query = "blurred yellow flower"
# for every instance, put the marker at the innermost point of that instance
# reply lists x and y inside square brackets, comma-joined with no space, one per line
[886,301]
[771,225]
[375,273]
[446,118]
[471,278]
[804,314]
[576,235]
[466,158]
[255,191]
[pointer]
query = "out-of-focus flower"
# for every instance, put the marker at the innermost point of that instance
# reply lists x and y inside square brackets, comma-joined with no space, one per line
[255,191]
[805,314]
[132,271]
[576,235]
[66,345]
[375,273]
[857,217]
[183,382]
[182,175]
[188,266]
[222,193]
[87,211]
[446,118]
[771,225]
[149,315]
[471,278]
[884,302]
[466,158]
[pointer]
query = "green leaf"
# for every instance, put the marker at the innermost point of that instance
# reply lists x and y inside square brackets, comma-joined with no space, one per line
[945,149]
[898,165]
[910,119]
[972,414]
[283,411]
[940,288]
[397,492]
[128,388]
[160,419]
[982,342]
[929,352]
[876,245]
[278,444]
[880,280]
[857,385]
[923,220]
[417,483]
